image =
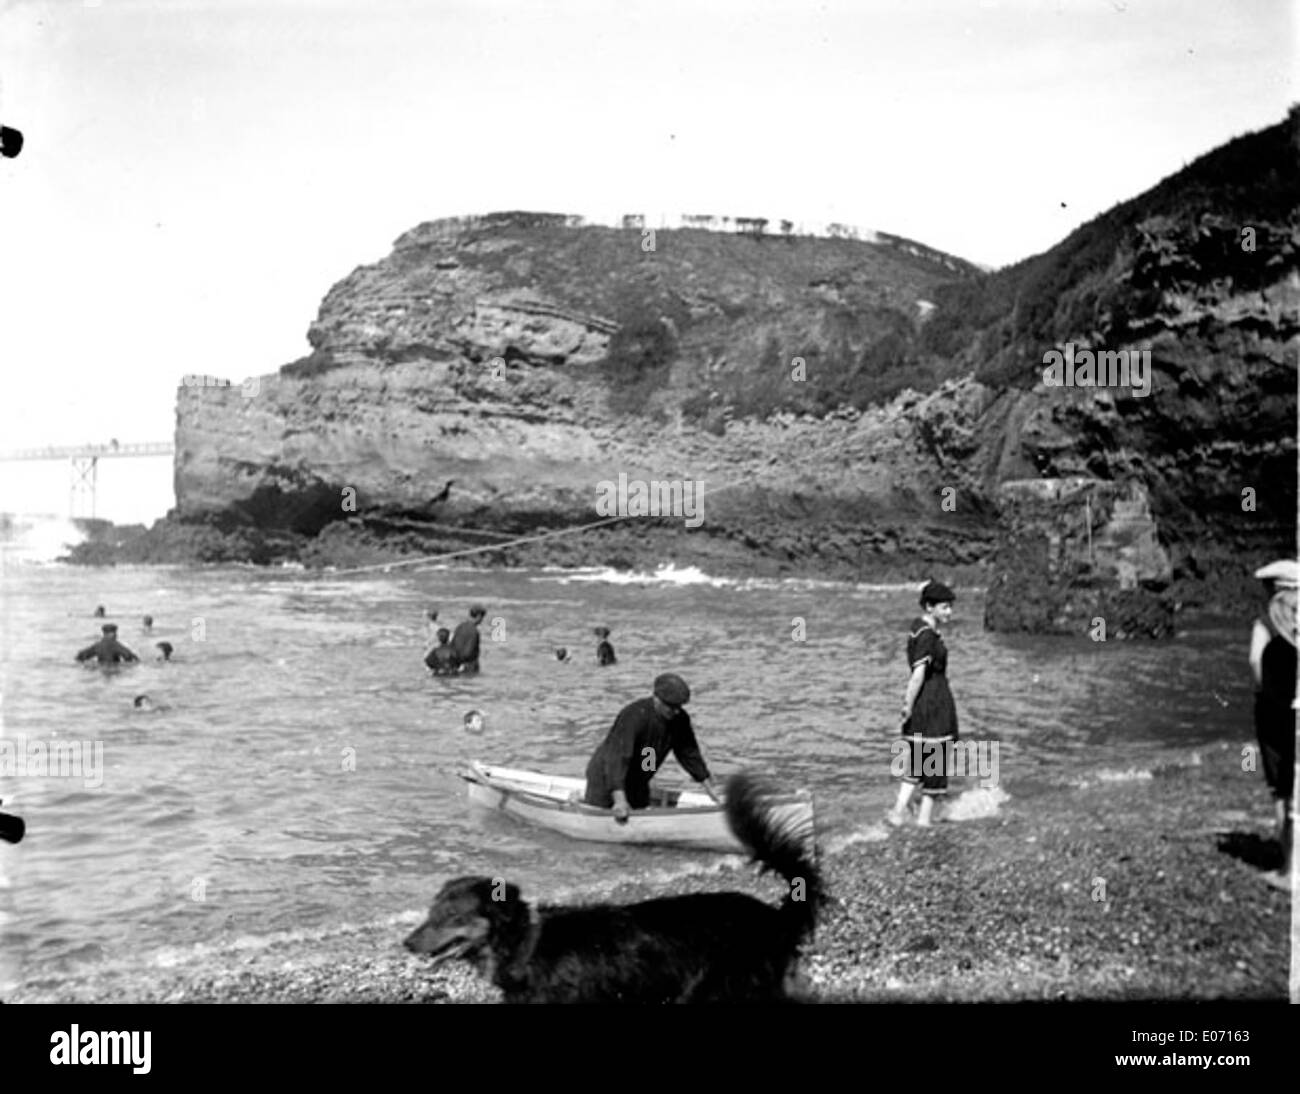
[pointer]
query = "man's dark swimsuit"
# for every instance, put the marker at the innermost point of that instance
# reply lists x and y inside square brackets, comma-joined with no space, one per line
[464,646]
[108,651]
[620,762]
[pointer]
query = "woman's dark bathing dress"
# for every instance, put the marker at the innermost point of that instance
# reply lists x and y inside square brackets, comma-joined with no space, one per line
[1274,715]
[934,714]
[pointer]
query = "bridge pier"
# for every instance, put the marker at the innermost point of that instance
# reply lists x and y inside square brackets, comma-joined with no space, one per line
[85,471]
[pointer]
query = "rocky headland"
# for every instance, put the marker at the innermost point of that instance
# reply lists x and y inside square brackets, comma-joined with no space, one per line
[854,409]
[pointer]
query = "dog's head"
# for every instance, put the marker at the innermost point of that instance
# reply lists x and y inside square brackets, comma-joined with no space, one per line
[480,919]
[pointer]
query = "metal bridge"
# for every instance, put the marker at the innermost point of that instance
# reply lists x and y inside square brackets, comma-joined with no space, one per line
[84,465]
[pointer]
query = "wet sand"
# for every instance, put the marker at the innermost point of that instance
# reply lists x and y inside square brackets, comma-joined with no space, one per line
[1132,886]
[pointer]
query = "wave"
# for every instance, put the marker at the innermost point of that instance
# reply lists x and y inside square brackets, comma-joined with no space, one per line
[669,573]
[36,538]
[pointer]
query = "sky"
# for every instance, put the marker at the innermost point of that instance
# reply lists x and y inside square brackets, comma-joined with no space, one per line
[197,174]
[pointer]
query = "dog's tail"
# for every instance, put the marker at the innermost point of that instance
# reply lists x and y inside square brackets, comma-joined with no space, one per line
[780,843]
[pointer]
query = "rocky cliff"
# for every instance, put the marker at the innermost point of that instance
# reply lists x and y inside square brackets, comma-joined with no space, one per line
[851,407]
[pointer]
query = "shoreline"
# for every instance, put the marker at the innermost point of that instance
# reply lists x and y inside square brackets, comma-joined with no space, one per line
[1135,889]
[1219,589]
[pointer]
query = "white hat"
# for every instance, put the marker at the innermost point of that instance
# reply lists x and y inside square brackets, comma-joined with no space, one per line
[1286,572]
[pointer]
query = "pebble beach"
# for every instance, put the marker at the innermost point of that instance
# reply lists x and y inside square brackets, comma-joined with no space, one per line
[1138,885]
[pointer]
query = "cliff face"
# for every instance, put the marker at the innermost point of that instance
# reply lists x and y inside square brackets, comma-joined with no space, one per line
[494,353]
[842,401]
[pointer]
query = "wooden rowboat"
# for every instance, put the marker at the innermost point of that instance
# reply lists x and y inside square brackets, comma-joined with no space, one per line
[681,818]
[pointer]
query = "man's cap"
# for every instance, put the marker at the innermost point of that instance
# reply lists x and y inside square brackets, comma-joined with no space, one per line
[109,628]
[936,592]
[1286,572]
[671,689]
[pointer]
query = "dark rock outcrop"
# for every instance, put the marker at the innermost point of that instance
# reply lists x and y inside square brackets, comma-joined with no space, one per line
[1079,556]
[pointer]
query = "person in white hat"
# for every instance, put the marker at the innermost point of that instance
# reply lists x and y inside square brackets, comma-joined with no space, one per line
[1273,667]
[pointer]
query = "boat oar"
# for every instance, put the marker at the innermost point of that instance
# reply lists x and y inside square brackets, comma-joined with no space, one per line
[12,828]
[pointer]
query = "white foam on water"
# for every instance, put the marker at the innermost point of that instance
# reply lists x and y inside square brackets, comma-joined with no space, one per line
[669,573]
[872,833]
[666,574]
[986,801]
[37,539]
[1132,774]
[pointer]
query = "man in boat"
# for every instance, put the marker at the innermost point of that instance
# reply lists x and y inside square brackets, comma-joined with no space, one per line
[108,650]
[464,643]
[643,735]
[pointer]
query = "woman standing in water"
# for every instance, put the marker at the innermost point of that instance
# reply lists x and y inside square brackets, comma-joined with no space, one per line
[1273,666]
[929,715]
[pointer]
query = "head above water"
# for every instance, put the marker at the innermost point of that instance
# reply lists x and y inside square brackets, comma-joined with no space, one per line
[143,702]
[165,649]
[936,592]
[99,612]
[473,721]
[148,621]
[672,690]
[561,654]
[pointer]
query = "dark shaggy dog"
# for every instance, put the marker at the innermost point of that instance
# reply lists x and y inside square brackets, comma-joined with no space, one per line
[705,947]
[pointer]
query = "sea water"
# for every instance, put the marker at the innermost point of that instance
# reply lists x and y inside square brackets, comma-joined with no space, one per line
[304,770]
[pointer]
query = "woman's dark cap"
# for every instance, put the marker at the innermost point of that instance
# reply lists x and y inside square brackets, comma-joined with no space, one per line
[671,689]
[936,592]
[478,610]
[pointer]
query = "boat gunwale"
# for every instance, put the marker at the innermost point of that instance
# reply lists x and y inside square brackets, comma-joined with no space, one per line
[478,775]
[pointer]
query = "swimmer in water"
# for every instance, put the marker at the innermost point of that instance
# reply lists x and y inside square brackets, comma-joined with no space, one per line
[164,651]
[98,612]
[604,651]
[144,704]
[473,721]
[562,655]
[440,660]
[108,650]
[147,624]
